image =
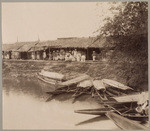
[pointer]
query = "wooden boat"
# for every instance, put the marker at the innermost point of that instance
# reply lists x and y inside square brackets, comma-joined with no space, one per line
[98,111]
[116,84]
[74,80]
[136,116]
[125,123]
[105,89]
[124,109]
[57,81]
[85,83]
[128,98]
[98,84]
[48,80]
[63,82]
[52,75]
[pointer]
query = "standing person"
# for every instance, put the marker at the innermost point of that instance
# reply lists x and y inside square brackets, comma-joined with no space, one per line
[53,55]
[50,56]
[38,56]
[61,54]
[7,56]
[44,55]
[83,57]
[78,56]
[94,56]
[57,55]
[75,53]
[32,56]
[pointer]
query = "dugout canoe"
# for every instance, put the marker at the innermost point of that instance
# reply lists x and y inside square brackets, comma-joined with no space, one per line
[50,83]
[75,80]
[116,84]
[125,123]
[103,111]
[98,111]
[49,79]
[52,75]
[129,98]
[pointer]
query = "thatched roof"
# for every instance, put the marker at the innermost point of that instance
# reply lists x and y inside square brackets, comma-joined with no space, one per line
[11,47]
[90,42]
[27,46]
[68,43]
[76,42]
[50,43]
[37,48]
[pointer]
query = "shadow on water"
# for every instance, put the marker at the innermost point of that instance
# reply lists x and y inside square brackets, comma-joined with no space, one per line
[31,85]
[95,119]
[24,103]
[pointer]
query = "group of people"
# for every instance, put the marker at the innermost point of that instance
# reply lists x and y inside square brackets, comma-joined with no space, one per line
[73,55]
[56,55]
[62,55]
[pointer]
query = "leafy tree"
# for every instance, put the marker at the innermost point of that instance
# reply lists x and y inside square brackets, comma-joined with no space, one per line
[128,30]
[131,20]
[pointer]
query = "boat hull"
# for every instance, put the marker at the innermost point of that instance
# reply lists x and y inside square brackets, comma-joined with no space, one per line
[125,123]
[47,85]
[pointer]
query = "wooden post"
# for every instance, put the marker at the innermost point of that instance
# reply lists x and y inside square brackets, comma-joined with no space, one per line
[87,54]
[49,52]
[34,52]
[42,53]
[99,54]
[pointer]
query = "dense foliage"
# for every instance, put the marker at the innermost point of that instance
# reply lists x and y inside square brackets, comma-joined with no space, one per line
[129,29]
[132,19]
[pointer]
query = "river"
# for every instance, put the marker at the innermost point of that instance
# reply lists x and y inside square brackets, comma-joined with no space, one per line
[24,106]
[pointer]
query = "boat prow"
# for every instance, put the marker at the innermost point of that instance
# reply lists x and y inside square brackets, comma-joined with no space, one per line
[125,123]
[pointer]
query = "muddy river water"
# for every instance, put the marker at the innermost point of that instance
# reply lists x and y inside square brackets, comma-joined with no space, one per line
[24,107]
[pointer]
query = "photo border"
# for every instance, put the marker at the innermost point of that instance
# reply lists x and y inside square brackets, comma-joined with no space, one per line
[3,1]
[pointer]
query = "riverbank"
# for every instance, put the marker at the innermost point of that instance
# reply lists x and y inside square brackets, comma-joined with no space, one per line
[131,73]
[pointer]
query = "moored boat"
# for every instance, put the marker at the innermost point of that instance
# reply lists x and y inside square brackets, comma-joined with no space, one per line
[115,84]
[125,123]
[129,98]
[57,81]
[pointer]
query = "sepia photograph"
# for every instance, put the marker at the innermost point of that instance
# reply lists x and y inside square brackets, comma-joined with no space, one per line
[75,65]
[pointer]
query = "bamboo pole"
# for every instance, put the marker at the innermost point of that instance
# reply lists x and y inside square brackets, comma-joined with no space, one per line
[49,52]
[87,54]
[34,52]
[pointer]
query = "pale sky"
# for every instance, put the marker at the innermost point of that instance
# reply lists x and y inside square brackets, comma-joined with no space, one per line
[51,20]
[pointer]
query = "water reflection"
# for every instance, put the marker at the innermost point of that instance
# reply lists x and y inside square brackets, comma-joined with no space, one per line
[24,107]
